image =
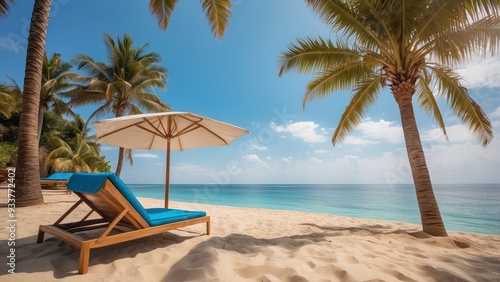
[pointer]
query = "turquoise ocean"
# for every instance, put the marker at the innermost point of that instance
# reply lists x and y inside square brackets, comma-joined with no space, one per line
[464,207]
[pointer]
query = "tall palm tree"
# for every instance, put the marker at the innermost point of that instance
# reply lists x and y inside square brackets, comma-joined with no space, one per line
[56,77]
[217,12]
[122,86]
[28,190]
[410,47]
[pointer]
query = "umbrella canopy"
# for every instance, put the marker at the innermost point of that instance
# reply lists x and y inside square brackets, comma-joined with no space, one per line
[166,131]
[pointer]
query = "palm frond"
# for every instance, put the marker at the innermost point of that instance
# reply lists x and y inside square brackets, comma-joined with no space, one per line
[311,55]
[351,19]
[4,6]
[150,102]
[218,13]
[162,10]
[335,79]
[364,95]
[462,104]
[127,153]
[95,69]
[428,103]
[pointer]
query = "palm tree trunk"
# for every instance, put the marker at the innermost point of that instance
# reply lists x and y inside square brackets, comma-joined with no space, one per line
[119,165]
[28,191]
[432,223]
[41,112]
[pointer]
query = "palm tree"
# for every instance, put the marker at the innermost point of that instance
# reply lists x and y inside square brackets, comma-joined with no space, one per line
[217,12]
[27,169]
[76,150]
[410,47]
[122,86]
[55,78]
[75,156]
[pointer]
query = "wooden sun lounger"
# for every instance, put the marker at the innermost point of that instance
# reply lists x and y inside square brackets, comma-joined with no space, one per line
[119,211]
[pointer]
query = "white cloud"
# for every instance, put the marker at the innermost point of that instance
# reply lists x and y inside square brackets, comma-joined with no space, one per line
[10,45]
[496,113]
[254,159]
[353,140]
[258,147]
[371,132]
[456,133]
[304,130]
[145,156]
[483,73]
[321,151]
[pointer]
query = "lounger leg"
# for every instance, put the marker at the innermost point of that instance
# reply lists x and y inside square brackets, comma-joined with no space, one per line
[83,266]
[208,227]
[41,234]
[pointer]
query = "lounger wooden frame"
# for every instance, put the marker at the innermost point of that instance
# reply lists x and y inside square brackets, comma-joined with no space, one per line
[115,212]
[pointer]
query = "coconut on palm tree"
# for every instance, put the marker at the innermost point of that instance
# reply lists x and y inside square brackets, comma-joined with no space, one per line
[122,86]
[410,47]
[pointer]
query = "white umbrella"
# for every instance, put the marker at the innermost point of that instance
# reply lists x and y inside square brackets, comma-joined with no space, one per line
[166,131]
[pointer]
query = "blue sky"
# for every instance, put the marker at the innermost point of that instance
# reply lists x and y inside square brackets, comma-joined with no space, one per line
[235,80]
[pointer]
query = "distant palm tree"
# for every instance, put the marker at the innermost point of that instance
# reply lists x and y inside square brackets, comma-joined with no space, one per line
[122,86]
[218,13]
[410,47]
[75,156]
[76,149]
[10,99]
[10,103]
[56,77]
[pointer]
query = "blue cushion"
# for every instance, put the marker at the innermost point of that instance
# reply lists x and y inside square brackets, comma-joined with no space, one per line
[59,176]
[87,182]
[93,182]
[159,216]
[120,186]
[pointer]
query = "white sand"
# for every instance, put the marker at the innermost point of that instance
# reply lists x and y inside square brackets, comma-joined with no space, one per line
[256,245]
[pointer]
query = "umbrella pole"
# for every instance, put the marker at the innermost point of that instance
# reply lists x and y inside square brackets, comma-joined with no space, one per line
[167,177]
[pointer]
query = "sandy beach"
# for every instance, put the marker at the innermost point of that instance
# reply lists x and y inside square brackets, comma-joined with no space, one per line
[248,244]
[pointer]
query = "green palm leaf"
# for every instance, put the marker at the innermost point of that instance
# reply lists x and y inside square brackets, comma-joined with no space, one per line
[337,78]
[218,13]
[428,103]
[364,95]
[311,55]
[462,104]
